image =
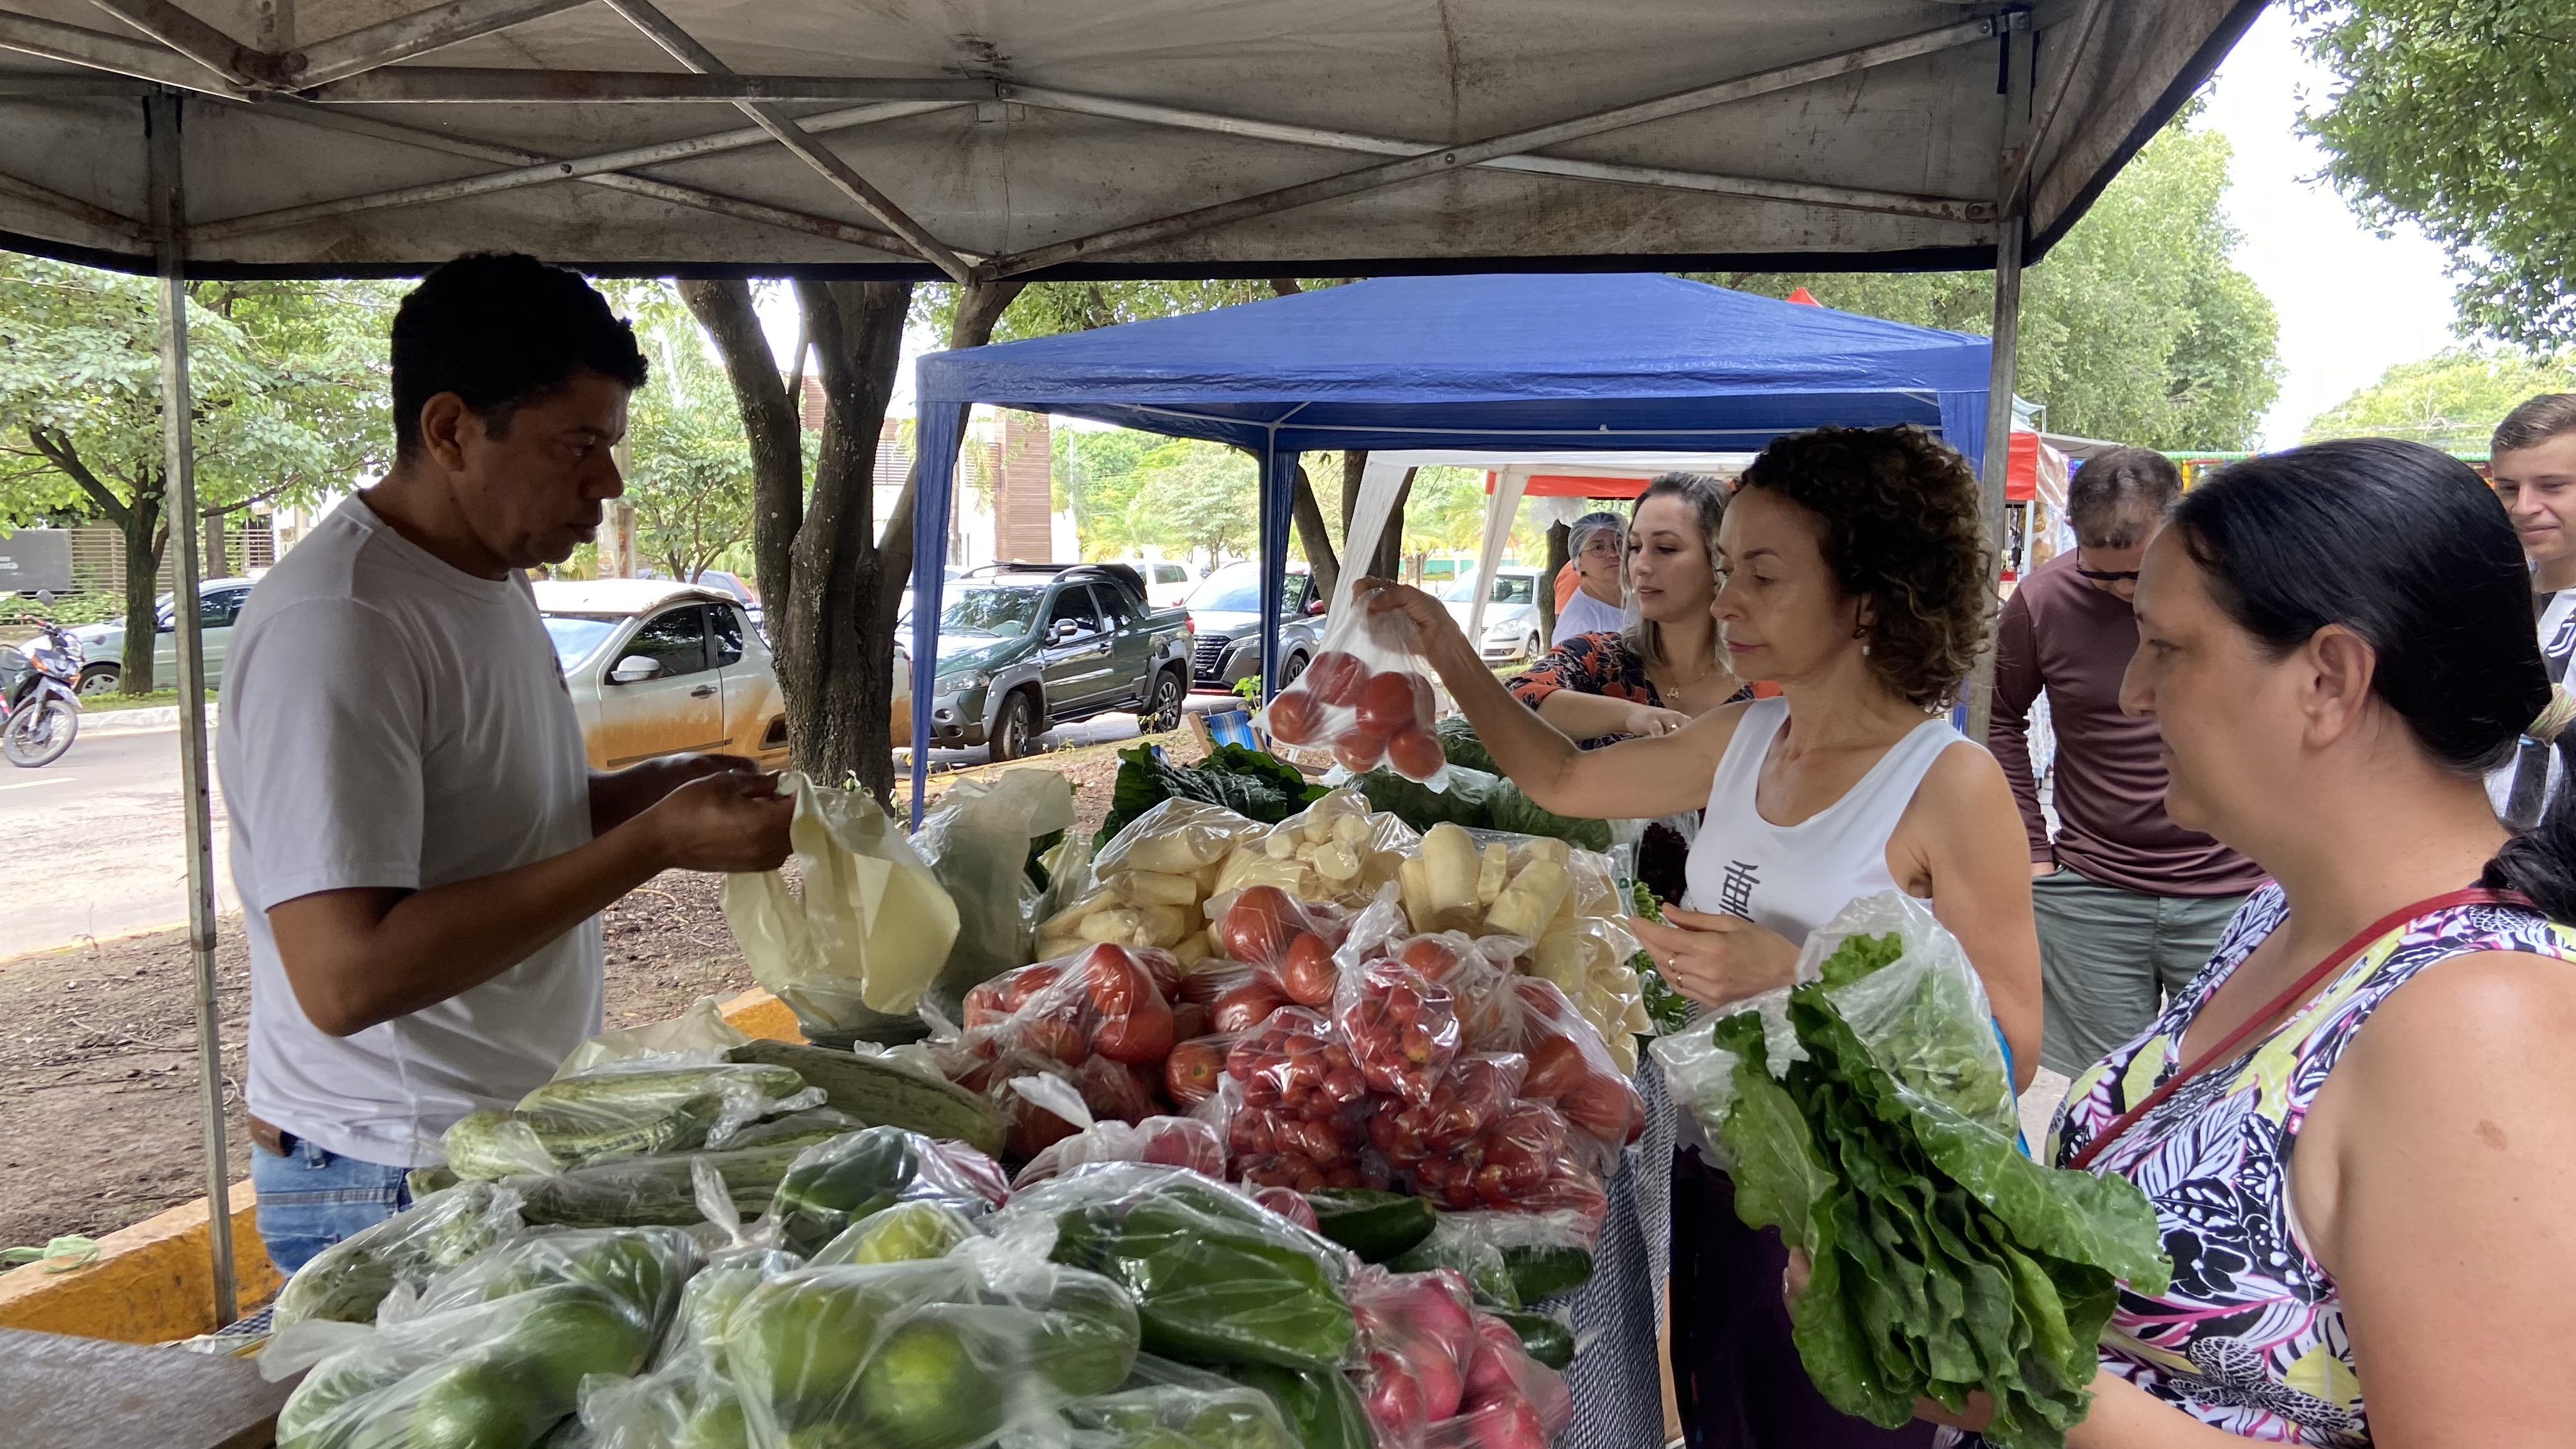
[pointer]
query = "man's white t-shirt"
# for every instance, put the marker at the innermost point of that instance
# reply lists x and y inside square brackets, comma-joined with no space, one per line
[2557,631]
[391,721]
[1584,614]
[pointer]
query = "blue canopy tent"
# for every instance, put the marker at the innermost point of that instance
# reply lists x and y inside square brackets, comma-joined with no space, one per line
[1621,362]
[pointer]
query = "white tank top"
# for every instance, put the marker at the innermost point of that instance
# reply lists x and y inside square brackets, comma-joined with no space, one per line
[1795,878]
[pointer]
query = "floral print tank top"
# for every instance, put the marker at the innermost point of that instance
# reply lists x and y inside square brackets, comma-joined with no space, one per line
[2250,1338]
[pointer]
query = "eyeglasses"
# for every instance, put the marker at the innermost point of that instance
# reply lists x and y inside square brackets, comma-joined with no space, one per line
[2107,576]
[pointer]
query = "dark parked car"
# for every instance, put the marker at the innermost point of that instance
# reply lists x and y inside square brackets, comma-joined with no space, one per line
[1226,613]
[1025,646]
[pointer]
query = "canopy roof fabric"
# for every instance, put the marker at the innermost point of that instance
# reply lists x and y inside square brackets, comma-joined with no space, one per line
[1508,366]
[1630,362]
[1163,137]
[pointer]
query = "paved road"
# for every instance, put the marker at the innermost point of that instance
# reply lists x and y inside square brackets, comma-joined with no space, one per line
[1100,729]
[92,844]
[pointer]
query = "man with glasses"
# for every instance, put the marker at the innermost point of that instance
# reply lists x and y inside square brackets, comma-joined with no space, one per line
[2129,904]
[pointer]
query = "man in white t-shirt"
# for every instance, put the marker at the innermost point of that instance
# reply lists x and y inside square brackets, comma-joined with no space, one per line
[420,845]
[2533,463]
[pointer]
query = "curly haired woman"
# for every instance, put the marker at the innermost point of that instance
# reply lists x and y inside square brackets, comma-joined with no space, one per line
[1853,572]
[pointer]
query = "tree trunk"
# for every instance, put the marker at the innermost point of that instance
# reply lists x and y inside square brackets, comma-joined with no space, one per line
[1558,537]
[218,559]
[1320,559]
[138,524]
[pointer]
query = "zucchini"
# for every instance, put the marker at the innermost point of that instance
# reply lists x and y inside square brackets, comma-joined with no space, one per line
[881,1094]
[1544,1272]
[643,1191]
[1546,1339]
[1378,1226]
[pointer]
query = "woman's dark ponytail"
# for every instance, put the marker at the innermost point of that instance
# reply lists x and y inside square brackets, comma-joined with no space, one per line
[2408,548]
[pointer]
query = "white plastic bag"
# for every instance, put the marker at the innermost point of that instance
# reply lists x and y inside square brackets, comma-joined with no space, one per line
[869,931]
[976,840]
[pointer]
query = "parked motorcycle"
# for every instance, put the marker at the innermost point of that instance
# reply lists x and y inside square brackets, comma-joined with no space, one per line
[39,703]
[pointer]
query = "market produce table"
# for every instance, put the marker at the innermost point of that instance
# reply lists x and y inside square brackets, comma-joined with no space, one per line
[61,1392]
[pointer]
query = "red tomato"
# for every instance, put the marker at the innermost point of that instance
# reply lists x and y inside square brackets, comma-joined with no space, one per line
[1245,1006]
[1139,1038]
[1604,1107]
[1191,1072]
[1393,700]
[1028,981]
[1556,1066]
[1431,956]
[1415,753]
[1053,1036]
[1294,718]
[1114,980]
[1307,974]
[1359,750]
[1256,927]
[1335,677]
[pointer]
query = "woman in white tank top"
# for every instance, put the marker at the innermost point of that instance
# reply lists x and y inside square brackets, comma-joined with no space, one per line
[1855,577]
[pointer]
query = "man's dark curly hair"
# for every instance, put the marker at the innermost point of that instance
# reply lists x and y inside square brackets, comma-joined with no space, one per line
[1900,515]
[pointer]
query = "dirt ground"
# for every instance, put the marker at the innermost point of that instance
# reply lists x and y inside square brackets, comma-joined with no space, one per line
[99,1124]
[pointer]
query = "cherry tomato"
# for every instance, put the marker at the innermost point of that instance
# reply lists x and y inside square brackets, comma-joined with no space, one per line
[1256,927]
[1335,677]
[1359,750]
[1294,718]
[1415,753]
[1393,700]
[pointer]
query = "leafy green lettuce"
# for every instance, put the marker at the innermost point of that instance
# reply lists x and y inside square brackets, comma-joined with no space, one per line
[1248,782]
[1476,800]
[1945,1261]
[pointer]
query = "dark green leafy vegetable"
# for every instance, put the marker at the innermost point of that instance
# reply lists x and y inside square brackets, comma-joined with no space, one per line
[1945,1261]
[1248,782]
[1668,1009]
[1478,801]
[1459,745]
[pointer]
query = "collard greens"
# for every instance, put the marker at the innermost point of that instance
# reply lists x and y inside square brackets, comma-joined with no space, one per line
[1945,1261]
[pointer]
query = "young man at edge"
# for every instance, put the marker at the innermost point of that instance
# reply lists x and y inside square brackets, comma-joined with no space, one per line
[2532,462]
[419,843]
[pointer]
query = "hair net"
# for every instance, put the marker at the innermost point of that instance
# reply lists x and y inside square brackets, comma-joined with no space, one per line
[1580,531]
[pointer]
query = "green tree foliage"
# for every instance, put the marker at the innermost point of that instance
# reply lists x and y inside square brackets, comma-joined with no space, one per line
[2136,327]
[690,471]
[2452,399]
[2460,116]
[288,384]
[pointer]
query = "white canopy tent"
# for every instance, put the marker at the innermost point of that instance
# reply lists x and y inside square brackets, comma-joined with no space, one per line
[982,139]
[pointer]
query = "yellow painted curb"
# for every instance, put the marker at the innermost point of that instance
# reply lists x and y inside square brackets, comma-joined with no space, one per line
[155,1282]
[152,1283]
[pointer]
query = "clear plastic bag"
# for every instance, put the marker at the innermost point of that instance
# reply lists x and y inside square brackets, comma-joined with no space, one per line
[1177,837]
[1169,1416]
[1287,942]
[1336,849]
[1400,1025]
[947,1353]
[976,840]
[697,1035]
[836,1183]
[631,1107]
[642,1267]
[346,1281]
[1107,1001]
[1217,1279]
[1419,1332]
[1164,1141]
[1367,692]
[1570,1067]
[499,1374]
[1511,1401]
[870,928]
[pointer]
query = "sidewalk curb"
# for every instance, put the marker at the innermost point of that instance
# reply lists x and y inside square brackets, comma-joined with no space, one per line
[138,721]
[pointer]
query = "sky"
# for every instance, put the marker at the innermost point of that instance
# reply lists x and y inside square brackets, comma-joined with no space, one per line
[2351,304]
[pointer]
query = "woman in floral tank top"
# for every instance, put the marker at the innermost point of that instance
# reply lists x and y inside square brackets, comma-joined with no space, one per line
[2367,1199]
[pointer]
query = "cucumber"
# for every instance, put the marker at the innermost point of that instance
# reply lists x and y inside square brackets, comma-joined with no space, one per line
[643,1191]
[1544,1272]
[1379,1226]
[882,1094]
[1545,1339]
[1480,1262]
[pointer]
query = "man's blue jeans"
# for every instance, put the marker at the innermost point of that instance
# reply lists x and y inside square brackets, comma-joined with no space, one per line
[310,1199]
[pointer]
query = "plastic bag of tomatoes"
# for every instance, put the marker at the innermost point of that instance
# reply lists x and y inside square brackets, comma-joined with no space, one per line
[1101,1020]
[1367,695]
[1164,1141]
[1570,1067]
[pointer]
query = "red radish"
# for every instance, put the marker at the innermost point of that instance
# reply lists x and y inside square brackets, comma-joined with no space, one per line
[1394,1401]
[1289,1204]
[1512,1423]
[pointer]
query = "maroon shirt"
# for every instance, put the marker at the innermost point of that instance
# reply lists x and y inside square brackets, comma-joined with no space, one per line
[2062,634]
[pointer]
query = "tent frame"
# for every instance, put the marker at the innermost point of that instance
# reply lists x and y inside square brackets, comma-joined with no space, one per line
[183,55]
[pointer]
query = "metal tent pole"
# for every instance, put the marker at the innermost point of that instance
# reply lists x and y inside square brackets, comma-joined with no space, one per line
[179,464]
[1997,460]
